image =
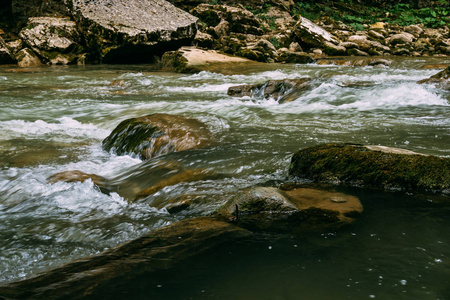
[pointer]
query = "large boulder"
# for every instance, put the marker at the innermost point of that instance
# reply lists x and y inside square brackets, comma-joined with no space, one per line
[6,56]
[270,208]
[132,30]
[53,39]
[372,166]
[157,134]
[283,91]
[441,79]
[312,34]
[109,274]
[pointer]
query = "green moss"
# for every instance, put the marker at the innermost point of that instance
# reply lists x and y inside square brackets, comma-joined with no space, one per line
[355,164]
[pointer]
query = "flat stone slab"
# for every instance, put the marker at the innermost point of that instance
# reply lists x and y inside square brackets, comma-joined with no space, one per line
[193,60]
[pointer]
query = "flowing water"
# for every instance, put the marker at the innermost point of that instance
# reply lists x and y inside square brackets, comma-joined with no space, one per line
[54,119]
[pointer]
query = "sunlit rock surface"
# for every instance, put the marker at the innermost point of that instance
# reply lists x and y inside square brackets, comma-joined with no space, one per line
[372,166]
[193,60]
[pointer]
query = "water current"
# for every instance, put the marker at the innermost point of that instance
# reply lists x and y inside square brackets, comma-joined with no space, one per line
[53,119]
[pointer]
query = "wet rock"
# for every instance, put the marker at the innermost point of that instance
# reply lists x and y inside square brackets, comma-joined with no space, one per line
[27,58]
[372,166]
[283,91]
[132,30]
[157,134]
[312,34]
[6,56]
[361,40]
[111,272]
[139,181]
[270,208]
[357,52]
[376,35]
[441,79]
[193,60]
[79,176]
[52,39]
[401,51]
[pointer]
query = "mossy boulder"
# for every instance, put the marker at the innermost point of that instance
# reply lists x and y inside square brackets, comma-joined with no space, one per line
[157,134]
[372,166]
[270,208]
[283,91]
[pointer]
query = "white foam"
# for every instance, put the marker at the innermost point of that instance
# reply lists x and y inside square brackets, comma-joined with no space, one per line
[66,127]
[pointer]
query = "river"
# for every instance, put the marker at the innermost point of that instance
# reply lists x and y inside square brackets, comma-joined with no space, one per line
[53,119]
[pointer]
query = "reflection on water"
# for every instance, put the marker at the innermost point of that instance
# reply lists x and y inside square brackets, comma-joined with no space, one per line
[55,120]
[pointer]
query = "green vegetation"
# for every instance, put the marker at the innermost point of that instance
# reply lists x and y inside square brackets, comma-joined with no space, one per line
[355,14]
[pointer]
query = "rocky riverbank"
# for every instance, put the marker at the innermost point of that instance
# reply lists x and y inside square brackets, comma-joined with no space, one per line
[142,31]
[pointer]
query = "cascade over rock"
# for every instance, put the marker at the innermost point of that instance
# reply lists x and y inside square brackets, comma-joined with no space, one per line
[283,91]
[132,30]
[441,79]
[157,134]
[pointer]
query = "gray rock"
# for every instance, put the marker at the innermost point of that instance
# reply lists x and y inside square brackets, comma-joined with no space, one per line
[441,79]
[27,58]
[414,30]
[132,30]
[332,49]
[15,46]
[312,34]
[53,39]
[287,56]
[283,91]
[6,56]
[295,47]
[401,38]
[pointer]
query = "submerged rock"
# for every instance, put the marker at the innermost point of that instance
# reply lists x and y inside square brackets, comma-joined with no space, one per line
[270,208]
[139,181]
[112,272]
[193,60]
[53,39]
[283,91]
[372,166]
[441,79]
[118,31]
[157,134]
